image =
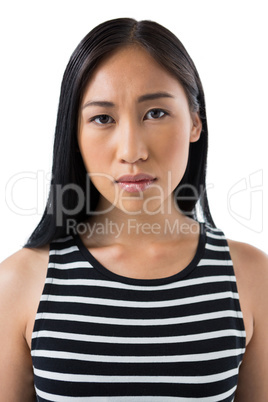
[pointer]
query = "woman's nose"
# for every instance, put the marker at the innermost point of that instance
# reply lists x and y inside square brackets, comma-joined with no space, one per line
[131,146]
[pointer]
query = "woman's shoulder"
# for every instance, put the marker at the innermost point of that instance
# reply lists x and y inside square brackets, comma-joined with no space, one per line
[249,260]
[23,269]
[22,277]
[23,264]
[251,271]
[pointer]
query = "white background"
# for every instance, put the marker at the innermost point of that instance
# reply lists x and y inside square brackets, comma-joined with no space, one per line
[228,43]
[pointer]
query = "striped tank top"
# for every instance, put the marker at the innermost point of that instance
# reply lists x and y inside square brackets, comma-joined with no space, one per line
[100,337]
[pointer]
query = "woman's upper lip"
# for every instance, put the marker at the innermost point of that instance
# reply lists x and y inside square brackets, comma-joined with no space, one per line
[136,177]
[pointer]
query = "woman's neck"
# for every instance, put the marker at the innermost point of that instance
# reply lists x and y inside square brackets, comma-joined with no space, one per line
[119,227]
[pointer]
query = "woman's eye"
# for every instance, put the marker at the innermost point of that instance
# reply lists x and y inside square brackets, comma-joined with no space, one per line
[102,119]
[155,114]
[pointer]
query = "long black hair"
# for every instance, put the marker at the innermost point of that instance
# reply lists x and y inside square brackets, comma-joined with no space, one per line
[71,191]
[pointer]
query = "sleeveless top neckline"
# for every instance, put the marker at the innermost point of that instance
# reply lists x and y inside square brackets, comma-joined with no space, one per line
[146,282]
[102,337]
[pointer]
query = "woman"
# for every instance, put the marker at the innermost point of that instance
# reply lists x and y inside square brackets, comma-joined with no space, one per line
[140,301]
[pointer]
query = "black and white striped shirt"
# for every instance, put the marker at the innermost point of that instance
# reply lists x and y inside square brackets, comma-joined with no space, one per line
[102,337]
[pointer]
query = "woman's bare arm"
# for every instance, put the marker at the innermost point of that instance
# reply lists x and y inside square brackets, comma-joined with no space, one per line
[21,282]
[251,268]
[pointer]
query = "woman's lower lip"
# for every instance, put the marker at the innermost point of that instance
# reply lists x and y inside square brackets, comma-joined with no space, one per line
[135,186]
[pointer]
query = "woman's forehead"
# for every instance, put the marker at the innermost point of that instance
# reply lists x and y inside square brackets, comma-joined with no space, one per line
[133,69]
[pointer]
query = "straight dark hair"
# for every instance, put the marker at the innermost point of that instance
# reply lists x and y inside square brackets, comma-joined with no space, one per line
[71,191]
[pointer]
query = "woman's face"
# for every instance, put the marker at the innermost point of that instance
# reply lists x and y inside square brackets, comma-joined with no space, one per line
[134,131]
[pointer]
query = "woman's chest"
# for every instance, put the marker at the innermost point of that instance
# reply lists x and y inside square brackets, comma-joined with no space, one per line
[94,337]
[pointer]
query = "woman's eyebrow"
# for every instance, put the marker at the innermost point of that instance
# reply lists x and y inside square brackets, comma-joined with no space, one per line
[98,103]
[142,98]
[154,95]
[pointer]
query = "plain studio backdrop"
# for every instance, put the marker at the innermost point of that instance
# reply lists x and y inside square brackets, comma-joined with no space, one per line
[228,41]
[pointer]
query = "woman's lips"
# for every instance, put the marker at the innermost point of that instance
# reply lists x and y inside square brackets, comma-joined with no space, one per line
[136,183]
